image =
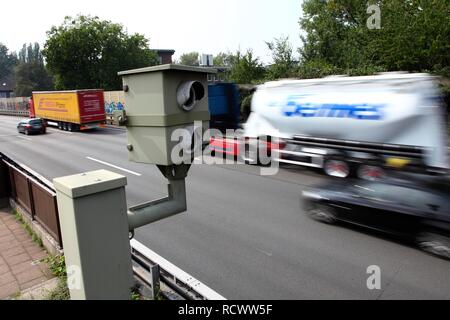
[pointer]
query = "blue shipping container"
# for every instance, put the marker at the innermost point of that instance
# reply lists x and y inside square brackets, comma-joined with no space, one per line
[223,100]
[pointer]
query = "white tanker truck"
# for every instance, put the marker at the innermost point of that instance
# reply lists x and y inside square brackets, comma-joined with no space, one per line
[360,125]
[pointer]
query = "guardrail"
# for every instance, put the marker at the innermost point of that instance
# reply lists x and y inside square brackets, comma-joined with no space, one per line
[25,113]
[155,271]
[20,113]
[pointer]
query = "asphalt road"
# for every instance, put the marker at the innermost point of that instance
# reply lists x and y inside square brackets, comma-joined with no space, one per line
[244,235]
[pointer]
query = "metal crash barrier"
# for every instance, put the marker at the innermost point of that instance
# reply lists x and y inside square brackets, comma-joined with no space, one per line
[167,279]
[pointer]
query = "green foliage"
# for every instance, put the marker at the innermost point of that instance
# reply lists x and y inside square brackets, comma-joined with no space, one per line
[224,59]
[86,52]
[135,294]
[31,54]
[7,62]
[28,229]
[246,105]
[414,36]
[57,265]
[189,59]
[31,73]
[319,68]
[335,31]
[61,292]
[283,61]
[246,69]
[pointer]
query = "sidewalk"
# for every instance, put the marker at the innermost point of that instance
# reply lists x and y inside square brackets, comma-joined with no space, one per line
[20,266]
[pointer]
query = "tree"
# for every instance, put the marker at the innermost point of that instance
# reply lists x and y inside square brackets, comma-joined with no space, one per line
[86,52]
[31,73]
[336,35]
[223,59]
[7,62]
[246,69]
[414,36]
[31,54]
[283,63]
[189,59]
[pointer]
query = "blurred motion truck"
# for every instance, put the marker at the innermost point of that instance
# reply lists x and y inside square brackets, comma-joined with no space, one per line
[70,110]
[223,103]
[351,125]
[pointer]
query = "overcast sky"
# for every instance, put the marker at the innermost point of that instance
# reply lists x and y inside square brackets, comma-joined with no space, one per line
[206,26]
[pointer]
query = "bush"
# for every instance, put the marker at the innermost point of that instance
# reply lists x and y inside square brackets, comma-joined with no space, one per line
[246,106]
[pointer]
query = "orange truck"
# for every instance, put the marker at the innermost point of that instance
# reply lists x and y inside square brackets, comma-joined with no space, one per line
[70,110]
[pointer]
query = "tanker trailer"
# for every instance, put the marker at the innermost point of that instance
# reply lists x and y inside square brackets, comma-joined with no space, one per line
[362,125]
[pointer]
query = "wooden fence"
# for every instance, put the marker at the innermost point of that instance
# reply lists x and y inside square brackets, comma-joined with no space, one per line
[36,197]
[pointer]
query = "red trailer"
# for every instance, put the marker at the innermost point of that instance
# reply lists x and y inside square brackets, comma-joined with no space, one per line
[70,110]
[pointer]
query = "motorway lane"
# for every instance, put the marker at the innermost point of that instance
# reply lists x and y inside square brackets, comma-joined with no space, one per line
[244,234]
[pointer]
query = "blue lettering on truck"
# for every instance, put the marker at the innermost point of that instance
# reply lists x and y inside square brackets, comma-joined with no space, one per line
[359,111]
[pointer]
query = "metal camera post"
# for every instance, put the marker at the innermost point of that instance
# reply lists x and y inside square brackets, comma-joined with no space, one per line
[173,204]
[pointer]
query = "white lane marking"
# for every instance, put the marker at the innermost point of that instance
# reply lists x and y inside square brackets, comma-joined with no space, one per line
[24,138]
[114,166]
[269,254]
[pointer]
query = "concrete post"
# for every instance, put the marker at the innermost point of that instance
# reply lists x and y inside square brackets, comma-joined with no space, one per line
[93,217]
[4,185]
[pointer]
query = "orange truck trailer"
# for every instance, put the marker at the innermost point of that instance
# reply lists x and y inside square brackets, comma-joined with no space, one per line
[70,110]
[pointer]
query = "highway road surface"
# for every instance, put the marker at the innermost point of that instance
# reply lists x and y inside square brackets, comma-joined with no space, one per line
[244,235]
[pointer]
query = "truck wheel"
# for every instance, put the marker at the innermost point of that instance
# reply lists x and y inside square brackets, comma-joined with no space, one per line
[60,125]
[336,168]
[65,126]
[70,127]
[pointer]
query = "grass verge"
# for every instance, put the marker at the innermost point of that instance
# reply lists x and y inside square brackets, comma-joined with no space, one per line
[28,229]
[57,266]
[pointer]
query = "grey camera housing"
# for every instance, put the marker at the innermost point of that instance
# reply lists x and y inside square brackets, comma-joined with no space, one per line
[158,101]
